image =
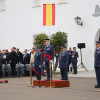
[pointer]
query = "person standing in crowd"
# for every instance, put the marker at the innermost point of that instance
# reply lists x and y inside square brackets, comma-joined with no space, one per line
[48,56]
[7,56]
[20,56]
[97,64]
[1,62]
[38,61]
[70,58]
[32,54]
[26,61]
[26,57]
[74,60]
[13,59]
[4,56]
[63,63]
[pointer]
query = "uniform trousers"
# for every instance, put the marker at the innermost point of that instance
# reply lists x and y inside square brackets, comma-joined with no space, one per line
[64,75]
[38,69]
[97,70]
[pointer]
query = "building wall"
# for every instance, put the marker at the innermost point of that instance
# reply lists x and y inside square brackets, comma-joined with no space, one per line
[20,21]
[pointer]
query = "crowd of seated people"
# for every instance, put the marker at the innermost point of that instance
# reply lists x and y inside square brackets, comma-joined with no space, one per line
[14,63]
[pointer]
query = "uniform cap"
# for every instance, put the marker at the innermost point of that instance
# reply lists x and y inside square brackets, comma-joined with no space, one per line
[47,39]
[98,42]
[38,47]
[63,47]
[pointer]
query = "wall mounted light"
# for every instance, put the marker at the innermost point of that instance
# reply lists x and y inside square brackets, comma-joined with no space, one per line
[78,21]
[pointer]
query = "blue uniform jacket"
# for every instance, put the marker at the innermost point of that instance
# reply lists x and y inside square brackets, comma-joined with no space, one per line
[75,54]
[38,59]
[48,50]
[97,58]
[63,59]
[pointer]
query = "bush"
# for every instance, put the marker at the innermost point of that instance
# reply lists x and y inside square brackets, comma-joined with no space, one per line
[39,39]
[57,40]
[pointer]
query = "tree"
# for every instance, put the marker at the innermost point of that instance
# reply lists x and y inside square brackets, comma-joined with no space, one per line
[39,39]
[57,40]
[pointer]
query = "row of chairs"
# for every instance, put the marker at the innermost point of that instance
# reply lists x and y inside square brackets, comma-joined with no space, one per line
[21,70]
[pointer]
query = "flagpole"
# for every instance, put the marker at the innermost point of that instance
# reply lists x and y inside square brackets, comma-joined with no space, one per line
[49,31]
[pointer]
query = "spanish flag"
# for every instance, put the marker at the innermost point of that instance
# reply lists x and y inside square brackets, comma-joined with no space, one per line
[48,14]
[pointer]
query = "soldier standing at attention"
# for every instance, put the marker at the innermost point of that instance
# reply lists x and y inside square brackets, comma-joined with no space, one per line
[70,58]
[97,64]
[74,60]
[63,63]
[38,61]
[48,56]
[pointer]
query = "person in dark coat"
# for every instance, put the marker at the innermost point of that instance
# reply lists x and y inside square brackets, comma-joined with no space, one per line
[38,61]
[70,58]
[97,64]
[26,57]
[7,56]
[13,59]
[1,62]
[74,60]
[63,63]
[20,56]
[26,61]
[48,56]
[4,56]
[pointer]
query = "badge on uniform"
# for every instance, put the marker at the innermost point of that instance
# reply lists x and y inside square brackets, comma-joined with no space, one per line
[48,48]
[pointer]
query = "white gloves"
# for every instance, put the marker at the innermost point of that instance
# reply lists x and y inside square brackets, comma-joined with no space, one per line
[51,61]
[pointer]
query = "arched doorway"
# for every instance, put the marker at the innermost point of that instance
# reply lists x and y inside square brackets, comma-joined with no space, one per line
[97,37]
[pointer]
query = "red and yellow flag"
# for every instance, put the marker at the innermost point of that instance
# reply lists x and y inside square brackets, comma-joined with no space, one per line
[48,14]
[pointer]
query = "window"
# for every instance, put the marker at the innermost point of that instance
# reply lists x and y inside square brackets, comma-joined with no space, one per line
[62,1]
[2,5]
[36,3]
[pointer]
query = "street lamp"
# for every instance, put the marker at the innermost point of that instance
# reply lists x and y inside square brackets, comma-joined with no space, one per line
[78,21]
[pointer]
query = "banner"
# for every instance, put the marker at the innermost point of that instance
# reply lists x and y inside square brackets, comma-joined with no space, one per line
[48,14]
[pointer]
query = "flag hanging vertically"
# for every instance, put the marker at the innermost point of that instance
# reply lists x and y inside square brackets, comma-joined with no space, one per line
[48,14]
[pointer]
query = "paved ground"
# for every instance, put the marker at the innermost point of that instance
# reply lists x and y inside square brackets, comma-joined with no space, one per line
[83,74]
[82,88]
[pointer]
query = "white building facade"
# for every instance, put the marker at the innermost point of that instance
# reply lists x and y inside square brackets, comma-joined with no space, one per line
[20,20]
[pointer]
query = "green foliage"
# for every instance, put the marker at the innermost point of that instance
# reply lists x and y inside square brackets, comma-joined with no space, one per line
[39,39]
[57,40]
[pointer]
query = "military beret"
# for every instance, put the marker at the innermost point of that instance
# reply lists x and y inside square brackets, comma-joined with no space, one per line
[74,47]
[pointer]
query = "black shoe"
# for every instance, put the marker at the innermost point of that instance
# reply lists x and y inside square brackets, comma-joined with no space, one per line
[74,73]
[98,86]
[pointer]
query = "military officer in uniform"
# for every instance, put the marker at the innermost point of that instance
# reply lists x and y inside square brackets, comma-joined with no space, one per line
[74,60]
[48,56]
[63,63]
[70,58]
[97,64]
[38,61]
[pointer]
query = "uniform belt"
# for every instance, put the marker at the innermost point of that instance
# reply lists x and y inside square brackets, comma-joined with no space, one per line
[48,56]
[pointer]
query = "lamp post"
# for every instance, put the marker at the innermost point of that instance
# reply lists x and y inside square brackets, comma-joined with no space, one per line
[78,21]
